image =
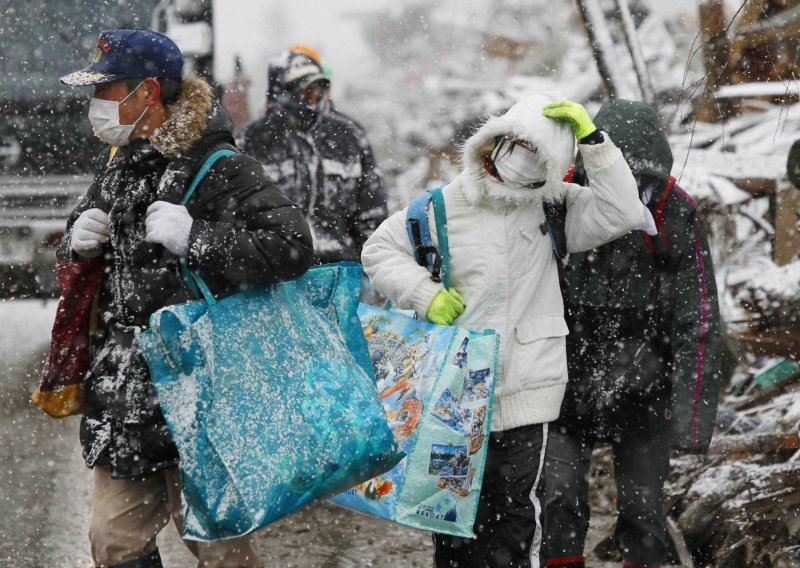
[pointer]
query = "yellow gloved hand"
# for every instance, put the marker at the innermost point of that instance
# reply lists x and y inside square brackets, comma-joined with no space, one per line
[446,306]
[572,113]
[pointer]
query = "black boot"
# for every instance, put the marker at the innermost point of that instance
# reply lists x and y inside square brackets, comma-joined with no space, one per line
[152,560]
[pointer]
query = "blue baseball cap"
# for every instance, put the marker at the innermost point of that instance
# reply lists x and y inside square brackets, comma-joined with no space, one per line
[123,54]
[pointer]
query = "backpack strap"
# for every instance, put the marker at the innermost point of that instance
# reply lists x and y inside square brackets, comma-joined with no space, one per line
[660,249]
[436,260]
[440,218]
[555,219]
[419,232]
[193,280]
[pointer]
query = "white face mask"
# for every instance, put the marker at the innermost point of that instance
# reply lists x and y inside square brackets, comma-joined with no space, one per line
[104,118]
[518,166]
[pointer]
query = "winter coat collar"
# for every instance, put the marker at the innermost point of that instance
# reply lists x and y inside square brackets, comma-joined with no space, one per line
[188,119]
[524,121]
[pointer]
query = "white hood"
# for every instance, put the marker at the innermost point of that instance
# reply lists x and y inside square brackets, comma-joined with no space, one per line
[525,121]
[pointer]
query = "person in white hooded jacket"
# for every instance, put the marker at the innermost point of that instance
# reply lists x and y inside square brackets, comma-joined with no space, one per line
[504,276]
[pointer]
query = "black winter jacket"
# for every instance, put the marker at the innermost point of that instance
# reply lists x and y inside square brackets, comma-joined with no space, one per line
[244,233]
[644,324]
[327,167]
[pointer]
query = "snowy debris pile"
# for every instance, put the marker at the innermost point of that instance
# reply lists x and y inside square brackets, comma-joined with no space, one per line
[772,293]
[740,505]
[730,162]
[738,171]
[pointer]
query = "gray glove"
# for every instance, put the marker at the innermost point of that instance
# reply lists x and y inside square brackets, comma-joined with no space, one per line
[90,232]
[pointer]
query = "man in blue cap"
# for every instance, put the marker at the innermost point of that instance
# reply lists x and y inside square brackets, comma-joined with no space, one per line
[236,231]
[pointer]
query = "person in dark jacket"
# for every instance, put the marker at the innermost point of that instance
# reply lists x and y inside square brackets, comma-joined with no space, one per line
[643,356]
[236,231]
[319,157]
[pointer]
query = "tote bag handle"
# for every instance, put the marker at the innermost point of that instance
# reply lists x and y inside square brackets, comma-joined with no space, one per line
[193,280]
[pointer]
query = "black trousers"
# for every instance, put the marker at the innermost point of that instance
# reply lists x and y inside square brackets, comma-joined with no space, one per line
[507,525]
[641,462]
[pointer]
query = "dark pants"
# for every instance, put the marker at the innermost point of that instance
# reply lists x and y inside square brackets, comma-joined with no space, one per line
[507,525]
[641,461]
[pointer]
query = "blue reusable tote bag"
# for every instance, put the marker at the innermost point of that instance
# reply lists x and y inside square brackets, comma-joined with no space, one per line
[270,399]
[436,384]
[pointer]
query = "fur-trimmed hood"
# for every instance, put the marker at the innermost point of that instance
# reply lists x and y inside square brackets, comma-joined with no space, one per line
[193,116]
[553,139]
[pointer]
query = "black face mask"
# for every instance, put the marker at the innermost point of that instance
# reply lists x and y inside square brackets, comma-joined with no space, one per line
[300,113]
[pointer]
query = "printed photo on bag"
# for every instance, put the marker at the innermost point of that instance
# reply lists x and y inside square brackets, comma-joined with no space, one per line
[476,387]
[374,489]
[476,431]
[458,485]
[460,360]
[449,461]
[449,411]
[404,420]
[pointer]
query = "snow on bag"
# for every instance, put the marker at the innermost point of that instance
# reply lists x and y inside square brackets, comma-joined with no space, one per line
[270,397]
[436,384]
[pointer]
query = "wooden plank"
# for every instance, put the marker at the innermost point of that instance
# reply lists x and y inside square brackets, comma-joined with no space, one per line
[751,13]
[756,186]
[767,34]
[747,445]
[786,245]
[788,14]
[774,343]
[716,53]
[505,47]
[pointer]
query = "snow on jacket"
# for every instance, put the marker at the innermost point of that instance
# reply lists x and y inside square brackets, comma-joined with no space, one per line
[327,167]
[645,326]
[501,261]
[244,233]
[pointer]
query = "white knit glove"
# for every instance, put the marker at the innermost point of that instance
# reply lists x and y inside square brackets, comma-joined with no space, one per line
[169,225]
[90,232]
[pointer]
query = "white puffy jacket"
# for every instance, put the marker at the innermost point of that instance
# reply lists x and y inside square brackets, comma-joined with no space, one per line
[502,263]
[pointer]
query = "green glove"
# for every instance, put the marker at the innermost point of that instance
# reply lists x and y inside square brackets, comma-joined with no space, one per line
[574,114]
[446,306]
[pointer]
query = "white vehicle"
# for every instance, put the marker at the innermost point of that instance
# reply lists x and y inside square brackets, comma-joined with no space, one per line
[33,210]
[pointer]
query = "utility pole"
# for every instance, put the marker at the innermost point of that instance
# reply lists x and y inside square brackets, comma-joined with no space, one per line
[602,43]
[635,49]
